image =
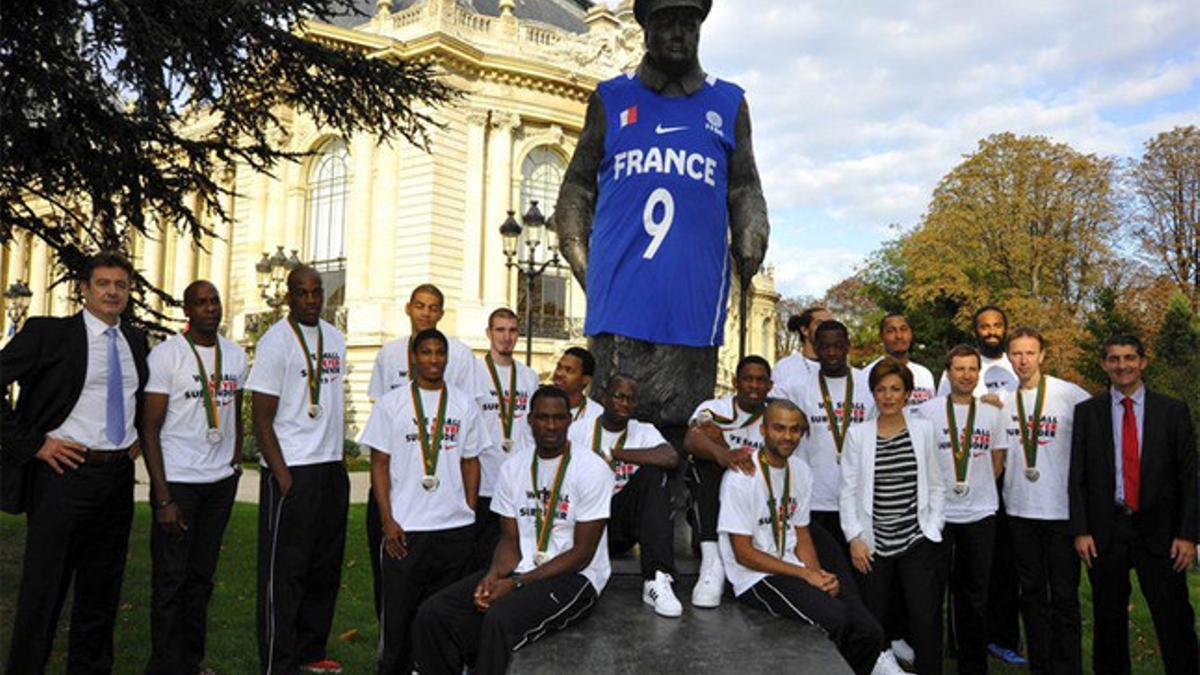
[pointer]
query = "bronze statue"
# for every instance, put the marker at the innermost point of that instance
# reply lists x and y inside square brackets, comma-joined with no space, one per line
[666,153]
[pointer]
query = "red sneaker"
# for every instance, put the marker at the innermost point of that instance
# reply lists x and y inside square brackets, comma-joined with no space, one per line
[322,666]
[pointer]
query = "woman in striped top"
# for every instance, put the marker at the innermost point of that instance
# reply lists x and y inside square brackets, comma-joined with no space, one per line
[891,509]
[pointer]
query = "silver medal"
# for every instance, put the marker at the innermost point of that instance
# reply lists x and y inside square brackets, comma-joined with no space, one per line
[541,558]
[1031,474]
[314,411]
[506,445]
[962,489]
[430,483]
[214,436]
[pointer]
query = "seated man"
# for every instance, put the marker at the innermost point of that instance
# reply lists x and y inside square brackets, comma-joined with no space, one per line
[768,551]
[641,504]
[550,565]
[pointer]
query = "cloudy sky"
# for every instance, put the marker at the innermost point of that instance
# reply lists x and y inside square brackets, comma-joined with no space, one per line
[860,107]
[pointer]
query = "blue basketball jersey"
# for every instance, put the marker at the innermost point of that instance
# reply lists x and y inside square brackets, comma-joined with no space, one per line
[658,258]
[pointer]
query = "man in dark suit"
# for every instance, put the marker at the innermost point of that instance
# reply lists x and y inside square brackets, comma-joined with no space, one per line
[1133,505]
[67,463]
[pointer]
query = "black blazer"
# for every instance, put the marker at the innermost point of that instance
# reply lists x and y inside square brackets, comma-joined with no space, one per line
[48,358]
[1168,480]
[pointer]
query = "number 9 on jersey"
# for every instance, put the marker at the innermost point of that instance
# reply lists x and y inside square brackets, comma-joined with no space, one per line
[657,228]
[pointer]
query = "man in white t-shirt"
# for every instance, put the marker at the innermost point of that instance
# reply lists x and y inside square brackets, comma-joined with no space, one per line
[641,460]
[1041,415]
[771,557]
[722,434]
[972,442]
[502,389]
[425,439]
[297,384]
[791,371]
[837,398]
[192,443]
[897,337]
[551,562]
[425,309]
[573,374]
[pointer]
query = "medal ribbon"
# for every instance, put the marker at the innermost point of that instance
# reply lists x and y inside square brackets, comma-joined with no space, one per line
[597,434]
[722,420]
[208,388]
[838,429]
[314,370]
[779,521]
[960,445]
[582,407]
[430,451]
[1029,436]
[507,408]
[543,525]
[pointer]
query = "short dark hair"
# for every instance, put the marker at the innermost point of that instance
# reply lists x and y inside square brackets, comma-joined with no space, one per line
[892,315]
[804,318]
[428,334]
[501,313]
[189,293]
[428,288]
[752,360]
[105,259]
[831,325]
[549,391]
[1028,332]
[585,357]
[988,308]
[619,377]
[958,351]
[889,366]
[1123,340]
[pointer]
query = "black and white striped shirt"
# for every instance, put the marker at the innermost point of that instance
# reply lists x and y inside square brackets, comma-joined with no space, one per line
[895,498]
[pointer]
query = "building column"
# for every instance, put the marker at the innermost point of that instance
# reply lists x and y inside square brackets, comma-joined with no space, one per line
[362,221]
[475,225]
[39,270]
[499,199]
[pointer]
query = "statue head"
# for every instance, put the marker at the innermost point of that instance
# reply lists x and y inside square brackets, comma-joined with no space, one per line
[672,29]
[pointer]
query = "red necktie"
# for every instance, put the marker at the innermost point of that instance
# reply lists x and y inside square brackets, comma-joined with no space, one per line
[1130,459]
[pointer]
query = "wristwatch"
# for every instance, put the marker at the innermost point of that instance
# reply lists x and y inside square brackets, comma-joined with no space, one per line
[518,582]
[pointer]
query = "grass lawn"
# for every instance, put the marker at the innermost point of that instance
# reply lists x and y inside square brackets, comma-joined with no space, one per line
[232,647]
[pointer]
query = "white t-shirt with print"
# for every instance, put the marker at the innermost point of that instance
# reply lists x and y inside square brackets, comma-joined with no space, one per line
[638,436]
[1046,498]
[745,510]
[392,429]
[996,376]
[791,372]
[740,428]
[391,368]
[584,497]
[493,456]
[188,456]
[818,447]
[988,434]
[923,385]
[280,369]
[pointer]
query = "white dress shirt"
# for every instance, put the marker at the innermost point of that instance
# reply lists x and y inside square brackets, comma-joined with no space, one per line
[88,419]
[1118,421]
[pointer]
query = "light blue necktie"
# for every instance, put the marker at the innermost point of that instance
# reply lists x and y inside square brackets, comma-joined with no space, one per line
[114,426]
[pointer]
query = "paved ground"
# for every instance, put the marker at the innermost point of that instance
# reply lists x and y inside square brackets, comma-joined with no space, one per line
[360,482]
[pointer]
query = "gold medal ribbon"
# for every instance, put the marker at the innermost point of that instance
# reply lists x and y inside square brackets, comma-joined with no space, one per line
[544,524]
[208,386]
[1031,429]
[507,408]
[838,429]
[597,434]
[430,451]
[726,422]
[960,445]
[582,407]
[314,370]
[780,518]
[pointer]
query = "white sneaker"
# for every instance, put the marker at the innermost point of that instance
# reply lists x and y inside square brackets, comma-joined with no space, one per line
[887,665]
[707,591]
[903,651]
[658,594]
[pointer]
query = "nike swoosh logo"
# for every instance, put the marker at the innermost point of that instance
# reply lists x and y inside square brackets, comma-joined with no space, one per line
[660,129]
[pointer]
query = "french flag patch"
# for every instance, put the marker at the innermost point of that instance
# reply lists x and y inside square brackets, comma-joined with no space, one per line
[629,116]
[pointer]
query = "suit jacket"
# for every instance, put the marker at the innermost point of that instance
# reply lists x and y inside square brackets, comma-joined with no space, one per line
[1168,486]
[48,358]
[856,501]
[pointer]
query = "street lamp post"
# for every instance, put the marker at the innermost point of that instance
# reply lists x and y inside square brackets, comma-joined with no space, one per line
[540,255]
[17,297]
[272,272]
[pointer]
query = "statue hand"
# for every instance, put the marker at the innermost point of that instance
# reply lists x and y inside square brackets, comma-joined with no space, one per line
[576,253]
[748,265]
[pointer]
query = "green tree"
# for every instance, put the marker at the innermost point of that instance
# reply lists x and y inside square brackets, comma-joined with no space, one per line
[1175,369]
[1105,320]
[120,110]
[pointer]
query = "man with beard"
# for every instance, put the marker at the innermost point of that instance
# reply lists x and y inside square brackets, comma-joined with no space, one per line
[996,374]
[724,433]
[641,460]
[791,371]
[897,336]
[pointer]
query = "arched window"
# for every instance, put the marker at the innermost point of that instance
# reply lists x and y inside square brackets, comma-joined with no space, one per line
[541,175]
[328,191]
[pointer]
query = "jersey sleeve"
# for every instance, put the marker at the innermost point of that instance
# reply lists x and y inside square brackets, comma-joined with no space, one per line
[649,436]
[737,506]
[377,431]
[474,437]
[595,491]
[244,370]
[376,388]
[505,501]
[162,367]
[802,493]
[267,373]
